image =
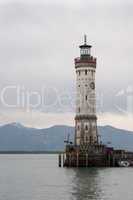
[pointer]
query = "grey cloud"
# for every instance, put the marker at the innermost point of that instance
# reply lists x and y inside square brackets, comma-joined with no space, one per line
[38,42]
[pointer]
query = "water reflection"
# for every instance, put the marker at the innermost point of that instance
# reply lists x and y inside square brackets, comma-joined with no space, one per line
[86,184]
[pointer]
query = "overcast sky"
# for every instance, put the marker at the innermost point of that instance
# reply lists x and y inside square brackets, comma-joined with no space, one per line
[39,40]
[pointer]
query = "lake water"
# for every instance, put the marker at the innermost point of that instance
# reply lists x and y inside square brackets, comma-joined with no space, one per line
[37,177]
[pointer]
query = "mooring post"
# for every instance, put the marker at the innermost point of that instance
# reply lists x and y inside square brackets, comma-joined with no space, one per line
[109,160]
[86,160]
[113,160]
[59,160]
[63,159]
[77,159]
[70,160]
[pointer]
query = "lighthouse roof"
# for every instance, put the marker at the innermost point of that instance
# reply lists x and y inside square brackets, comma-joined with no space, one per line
[85,45]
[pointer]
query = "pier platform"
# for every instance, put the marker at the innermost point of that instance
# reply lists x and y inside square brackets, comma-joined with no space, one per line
[93,156]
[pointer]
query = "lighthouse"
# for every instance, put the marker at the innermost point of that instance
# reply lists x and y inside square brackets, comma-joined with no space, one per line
[86,150]
[85,119]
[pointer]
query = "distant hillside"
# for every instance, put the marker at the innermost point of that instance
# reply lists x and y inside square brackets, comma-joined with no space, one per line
[15,137]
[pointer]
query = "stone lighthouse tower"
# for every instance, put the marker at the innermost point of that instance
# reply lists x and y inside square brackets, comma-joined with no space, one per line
[87,151]
[85,119]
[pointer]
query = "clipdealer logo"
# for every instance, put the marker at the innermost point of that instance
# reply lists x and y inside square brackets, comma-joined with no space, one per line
[127,96]
[46,98]
[50,98]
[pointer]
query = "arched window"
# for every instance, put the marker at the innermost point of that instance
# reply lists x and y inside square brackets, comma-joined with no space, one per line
[86,97]
[90,139]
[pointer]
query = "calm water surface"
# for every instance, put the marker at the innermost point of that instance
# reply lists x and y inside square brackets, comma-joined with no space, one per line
[37,177]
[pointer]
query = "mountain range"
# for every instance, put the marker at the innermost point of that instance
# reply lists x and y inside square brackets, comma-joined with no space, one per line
[16,137]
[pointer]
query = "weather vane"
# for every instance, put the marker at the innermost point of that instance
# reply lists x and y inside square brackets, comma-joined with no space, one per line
[85,38]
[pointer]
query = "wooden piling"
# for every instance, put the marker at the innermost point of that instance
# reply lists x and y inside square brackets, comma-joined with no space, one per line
[77,160]
[63,159]
[108,160]
[86,160]
[59,160]
[70,160]
[113,160]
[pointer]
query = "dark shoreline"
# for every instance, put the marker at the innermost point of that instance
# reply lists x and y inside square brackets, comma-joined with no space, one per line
[30,152]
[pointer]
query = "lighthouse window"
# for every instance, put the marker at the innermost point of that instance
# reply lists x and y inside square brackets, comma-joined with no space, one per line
[85,72]
[86,127]
[79,109]
[86,98]
[79,73]
[79,85]
[90,139]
